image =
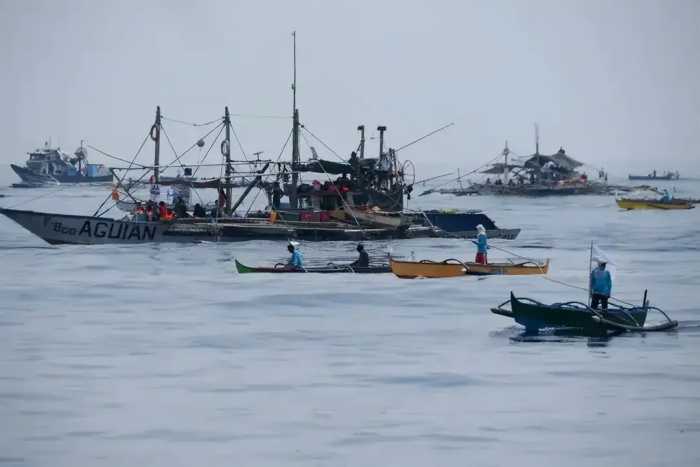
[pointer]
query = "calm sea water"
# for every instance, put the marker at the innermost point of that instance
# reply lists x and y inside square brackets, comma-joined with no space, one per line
[162,355]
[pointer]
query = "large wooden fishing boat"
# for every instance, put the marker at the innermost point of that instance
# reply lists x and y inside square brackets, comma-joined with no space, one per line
[579,317]
[328,269]
[631,203]
[455,268]
[539,175]
[368,190]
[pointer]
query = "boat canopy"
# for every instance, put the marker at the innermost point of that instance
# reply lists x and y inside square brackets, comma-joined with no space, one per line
[499,167]
[560,159]
[323,166]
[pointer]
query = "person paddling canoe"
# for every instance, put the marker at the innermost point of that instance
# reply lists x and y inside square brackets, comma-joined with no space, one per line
[363,260]
[296,261]
[482,245]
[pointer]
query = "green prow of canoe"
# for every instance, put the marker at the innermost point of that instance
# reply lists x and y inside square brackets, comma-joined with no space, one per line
[242,268]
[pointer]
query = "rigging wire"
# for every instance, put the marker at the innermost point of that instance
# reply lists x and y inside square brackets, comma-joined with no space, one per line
[44,195]
[585,289]
[216,138]
[240,146]
[119,182]
[114,157]
[279,117]
[467,174]
[323,143]
[284,146]
[170,143]
[424,136]
[183,122]
[177,159]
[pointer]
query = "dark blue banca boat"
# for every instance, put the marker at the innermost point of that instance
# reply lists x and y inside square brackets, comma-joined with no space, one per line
[579,317]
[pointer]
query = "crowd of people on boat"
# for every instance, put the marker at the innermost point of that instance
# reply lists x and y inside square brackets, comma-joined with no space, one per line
[150,211]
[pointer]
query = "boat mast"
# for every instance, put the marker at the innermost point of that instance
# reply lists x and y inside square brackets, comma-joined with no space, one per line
[155,136]
[381,129]
[590,270]
[506,151]
[361,129]
[295,132]
[80,160]
[227,155]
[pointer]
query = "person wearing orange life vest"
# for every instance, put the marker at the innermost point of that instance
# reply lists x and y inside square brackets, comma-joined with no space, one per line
[162,210]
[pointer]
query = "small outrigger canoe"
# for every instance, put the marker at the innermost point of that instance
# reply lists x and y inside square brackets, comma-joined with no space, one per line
[454,268]
[579,317]
[331,268]
[629,203]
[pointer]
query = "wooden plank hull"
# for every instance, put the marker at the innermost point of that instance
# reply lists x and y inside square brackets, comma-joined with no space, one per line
[87,230]
[626,203]
[453,268]
[379,219]
[576,316]
[330,269]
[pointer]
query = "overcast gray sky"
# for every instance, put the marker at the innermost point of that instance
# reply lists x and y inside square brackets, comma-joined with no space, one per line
[615,82]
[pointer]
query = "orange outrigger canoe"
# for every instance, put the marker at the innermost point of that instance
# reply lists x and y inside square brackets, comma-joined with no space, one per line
[454,268]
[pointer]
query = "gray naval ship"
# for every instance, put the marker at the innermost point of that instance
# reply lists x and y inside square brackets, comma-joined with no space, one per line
[50,166]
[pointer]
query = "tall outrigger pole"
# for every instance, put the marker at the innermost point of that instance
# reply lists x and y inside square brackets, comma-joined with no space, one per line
[226,149]
[506,151]
[295,133]
[361,129]
[155,136]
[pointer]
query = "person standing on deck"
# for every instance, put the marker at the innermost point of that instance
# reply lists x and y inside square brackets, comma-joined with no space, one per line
[601,286]
[482,245]
[296,261]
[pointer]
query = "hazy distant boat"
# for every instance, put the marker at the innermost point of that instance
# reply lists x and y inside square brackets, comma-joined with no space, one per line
[540,175]
[48,165]
[631,203]
[668,175]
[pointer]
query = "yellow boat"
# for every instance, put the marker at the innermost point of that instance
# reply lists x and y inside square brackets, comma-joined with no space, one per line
[454,268]
[628,203]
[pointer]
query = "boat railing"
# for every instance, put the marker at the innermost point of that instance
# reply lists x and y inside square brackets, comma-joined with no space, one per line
[455,261]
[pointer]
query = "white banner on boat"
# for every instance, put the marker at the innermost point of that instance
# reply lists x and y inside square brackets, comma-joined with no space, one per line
[598,255]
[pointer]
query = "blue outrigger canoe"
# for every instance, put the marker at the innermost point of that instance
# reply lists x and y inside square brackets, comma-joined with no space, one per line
[579,317]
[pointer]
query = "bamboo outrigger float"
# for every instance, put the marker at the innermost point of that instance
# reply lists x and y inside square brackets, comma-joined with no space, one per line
[456,268]
[328,269]
[581,318]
